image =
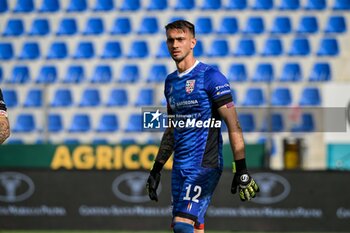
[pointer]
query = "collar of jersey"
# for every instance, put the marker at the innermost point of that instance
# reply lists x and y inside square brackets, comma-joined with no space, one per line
[180,75]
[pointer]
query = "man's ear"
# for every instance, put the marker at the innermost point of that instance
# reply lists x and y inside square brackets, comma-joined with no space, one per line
[193,42]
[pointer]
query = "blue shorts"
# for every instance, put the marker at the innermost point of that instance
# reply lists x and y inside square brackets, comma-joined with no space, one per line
[192,190]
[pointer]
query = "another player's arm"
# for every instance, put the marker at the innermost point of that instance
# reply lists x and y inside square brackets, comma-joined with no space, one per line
[4,122]
[4,128]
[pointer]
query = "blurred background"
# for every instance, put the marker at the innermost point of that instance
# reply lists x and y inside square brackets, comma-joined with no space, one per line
[76,73]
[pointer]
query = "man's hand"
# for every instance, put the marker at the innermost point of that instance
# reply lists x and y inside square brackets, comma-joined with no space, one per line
[246,184]
[152,185]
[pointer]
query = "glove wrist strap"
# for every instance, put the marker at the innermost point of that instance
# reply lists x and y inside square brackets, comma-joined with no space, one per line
[239,166]
[157,167]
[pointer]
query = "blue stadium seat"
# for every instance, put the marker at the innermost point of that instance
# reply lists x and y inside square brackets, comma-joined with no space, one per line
[128,141]
[138,49]
[54,123]
[14,27]
[184,5]
[148,25]
[130,5]
[162,51]
[25,123]
[253,97]
[3,6]
[263,73]
[291,72]
[102,74]
[57,50]
[272,47]
[245,47]
[117,98]
[157,73]
[262,5]
[274,123]
[254,25]
[67,27]
[121,26]
[316,5]
[281,96]
[80,123]
[320,72]
[71,141]
[14,141]
[281,25]
[145,97]
[203,25]
[236,5]
[34,98]
[108,123]
[310,96]
[211,5]
[157,5]
[247,122]
[74,74]
[112,50]
[341,5]
[40,27]
[228,25]
[10,97]
[100,141]
[219,48]
[198,50]
[300,47]
[90,98]
[335,24]
[62,98]
[30,51]
[306,125]
[6,51]
[47,74]
[24,6]
[49,6]
[77,6]
[84,50]
[103,5]
[289,5]
[134,123]
[20,75]
[328,47]
[307,24]
[93,26]
[237,73]
[129,74]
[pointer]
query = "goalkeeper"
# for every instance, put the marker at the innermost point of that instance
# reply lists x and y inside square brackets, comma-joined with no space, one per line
[198,90]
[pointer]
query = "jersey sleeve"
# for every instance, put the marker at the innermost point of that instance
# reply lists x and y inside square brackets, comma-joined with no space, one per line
[2,103]
[218,88]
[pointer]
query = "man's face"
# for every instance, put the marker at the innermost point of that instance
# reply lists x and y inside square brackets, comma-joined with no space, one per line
[180,43]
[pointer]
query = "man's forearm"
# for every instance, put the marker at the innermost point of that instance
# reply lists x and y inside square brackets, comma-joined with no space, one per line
[166,147]
[237,141]
[4,129]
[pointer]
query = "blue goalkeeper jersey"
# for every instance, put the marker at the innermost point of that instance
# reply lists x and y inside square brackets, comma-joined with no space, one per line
[193,100]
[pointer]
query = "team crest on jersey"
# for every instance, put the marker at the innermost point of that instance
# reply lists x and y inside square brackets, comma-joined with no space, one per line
[190,86]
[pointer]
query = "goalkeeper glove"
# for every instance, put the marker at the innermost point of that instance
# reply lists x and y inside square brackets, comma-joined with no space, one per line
[153,181]
[243,181]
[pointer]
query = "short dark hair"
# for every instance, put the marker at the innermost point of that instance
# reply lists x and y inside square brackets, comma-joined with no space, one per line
[181,24]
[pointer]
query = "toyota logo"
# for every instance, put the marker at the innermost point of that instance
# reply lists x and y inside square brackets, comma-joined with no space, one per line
[15,187]
[273,188]
[131,187]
